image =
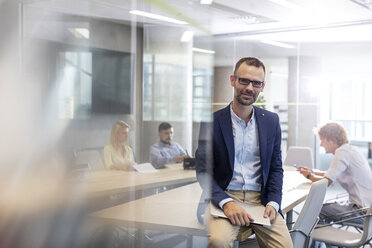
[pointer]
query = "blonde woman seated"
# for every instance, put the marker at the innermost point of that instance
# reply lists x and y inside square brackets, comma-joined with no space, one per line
[348,167]
[117,155]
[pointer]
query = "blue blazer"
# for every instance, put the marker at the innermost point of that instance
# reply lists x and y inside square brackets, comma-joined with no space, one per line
[215,160]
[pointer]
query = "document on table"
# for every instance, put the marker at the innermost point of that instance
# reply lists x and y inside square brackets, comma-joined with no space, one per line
[256,211]
[293,179]
[145,168]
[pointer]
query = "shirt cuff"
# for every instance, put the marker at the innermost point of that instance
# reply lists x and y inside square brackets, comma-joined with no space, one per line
[169,161]
[224,201]
[330,176]
[274,205]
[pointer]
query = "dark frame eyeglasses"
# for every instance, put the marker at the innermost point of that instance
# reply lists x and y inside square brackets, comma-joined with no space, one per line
[246,81]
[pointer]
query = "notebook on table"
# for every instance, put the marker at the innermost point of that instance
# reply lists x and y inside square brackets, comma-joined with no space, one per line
[256,211]
[145,168]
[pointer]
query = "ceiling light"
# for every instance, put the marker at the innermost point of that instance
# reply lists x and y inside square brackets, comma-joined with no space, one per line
[288,4]
[246,19]
[206,1]
[203,50]
[276,43]
[83,31]
[80,32]
[155,16]
[187,36]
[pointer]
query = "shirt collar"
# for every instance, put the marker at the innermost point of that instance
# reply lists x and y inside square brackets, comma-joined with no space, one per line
[343,145]
[163,145]
[237,119]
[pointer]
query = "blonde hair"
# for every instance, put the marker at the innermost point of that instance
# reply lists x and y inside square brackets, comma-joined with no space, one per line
[333,131]
[114,133]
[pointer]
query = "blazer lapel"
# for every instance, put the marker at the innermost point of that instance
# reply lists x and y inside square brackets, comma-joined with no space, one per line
[226,127]
[262,134]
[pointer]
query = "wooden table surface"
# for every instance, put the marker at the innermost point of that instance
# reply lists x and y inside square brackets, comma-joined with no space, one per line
[170,211]
[175,210]
[105,182]
[295,188]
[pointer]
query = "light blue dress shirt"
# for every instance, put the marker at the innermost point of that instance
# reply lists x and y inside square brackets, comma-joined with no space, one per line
[161,154]
[247,162]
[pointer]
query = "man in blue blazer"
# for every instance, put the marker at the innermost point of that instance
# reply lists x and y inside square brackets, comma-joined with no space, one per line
[243,163]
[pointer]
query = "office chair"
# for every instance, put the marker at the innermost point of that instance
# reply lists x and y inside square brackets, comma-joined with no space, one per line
[348,220]
[298,155]
[308,217]
[335,236]
[301,156]
[89,157]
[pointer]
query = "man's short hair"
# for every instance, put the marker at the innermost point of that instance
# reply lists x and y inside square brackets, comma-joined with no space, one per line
[249,61]
[164,126]
[333,131]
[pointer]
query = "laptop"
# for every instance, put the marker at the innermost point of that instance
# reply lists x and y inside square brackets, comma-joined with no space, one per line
[189,163]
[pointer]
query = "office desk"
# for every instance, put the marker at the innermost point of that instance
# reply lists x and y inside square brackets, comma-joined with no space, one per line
[108,182]
[175,210]
[295,189]
[170,211]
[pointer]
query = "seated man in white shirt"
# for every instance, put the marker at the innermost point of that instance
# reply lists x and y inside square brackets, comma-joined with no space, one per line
[166,151]
[348,167]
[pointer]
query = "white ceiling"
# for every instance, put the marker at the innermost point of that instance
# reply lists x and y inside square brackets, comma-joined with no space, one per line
[233,24]
[222,17]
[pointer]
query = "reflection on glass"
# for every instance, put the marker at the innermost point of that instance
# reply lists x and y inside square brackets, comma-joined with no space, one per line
[202,86]
[349,101]
[75,85]
[77,67]
[164,90]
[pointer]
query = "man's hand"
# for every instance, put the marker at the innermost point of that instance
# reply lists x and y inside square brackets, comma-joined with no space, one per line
[270,213]
[305,171]
[180,158]
[236,214]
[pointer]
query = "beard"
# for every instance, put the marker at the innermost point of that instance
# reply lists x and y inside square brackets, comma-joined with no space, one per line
[166,142]
[241,98]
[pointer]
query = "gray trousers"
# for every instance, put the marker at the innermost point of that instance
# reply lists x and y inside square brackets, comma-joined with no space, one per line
[329,210]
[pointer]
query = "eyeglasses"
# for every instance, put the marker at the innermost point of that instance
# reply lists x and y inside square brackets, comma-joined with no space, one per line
[246,81]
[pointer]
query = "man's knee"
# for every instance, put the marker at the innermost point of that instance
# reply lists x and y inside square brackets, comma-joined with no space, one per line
[287,242]
[221,233]
[220,241]
[275,236]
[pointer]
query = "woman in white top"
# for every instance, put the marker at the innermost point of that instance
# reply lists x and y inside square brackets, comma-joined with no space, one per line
[117,154]
[348,167]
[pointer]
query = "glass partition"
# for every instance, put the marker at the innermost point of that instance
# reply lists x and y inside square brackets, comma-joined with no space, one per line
[71,69]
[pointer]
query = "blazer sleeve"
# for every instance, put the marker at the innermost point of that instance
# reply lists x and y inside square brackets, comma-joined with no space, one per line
[204,158]
[205,164]
[275,177]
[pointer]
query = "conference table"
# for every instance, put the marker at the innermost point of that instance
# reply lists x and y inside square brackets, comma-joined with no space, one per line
[295,189]
[43,206]
[174,210]
[109,182]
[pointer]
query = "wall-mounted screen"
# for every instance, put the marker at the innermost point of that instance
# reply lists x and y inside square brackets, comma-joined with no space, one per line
[93,81]
[111,81]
